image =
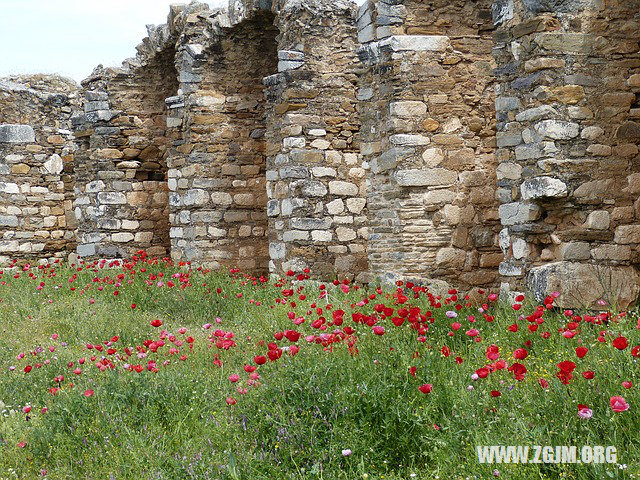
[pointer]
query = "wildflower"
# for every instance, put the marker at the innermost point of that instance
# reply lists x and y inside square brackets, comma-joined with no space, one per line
[88,393]
[581,351]
[346,452]
[156,323]
[620,343]
[426,388]
[584,412]
[618,404]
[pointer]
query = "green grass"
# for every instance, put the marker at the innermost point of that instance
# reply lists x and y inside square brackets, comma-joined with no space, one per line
[294,422]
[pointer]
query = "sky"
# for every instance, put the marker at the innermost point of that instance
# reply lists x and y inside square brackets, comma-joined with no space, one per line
[71,37]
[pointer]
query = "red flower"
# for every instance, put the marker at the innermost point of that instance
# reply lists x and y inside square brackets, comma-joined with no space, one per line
[28,368]
[618,404]
[581,351]
[620,343]
[234,377]
[231,401]
[260,359]
[495,393]
[567,366]
[156,323]
[635,351]
[518,371]
[564,377]
[543,383]
[520,354]
[413,370]
[378,330]
[627,385]
[22,444]
[426,388]
[88,393]
[588,374]
[493,352]
[482,372]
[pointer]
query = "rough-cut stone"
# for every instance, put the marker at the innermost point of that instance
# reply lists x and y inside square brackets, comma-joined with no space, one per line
[543,187]
[516,212]
[557,129]
[16,134]
[426,177]
[583,285]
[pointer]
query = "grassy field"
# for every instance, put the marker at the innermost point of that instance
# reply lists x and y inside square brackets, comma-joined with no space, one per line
[152,371]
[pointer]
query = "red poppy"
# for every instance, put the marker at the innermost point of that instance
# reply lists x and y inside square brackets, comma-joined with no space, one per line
[426,388]
[581,351]
[620,343]
[260,359]
[495,393]
[543,383]
[588,374]
[156,322]
[482,372]
[378,330]
[88,393]
[567,366]
[627,385]
[492,352]
[520,354]
[518,371]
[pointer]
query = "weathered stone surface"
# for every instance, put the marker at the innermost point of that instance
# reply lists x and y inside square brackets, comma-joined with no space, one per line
[583,285]
[426,177]
[516,212]
[543,187]
[11,133]
[557,129]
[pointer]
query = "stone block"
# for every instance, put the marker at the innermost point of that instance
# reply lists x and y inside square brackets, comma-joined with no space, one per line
[543,187]
[426,177]
[582,285]
[558,129]
[515,213]
[338,187]
[11,133]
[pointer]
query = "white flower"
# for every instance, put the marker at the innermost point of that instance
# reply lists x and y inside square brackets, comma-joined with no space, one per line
[346,452]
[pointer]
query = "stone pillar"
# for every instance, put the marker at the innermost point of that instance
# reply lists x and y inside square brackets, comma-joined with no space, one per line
[315,176]
[36,174]
[122,140]
[568,134]
[426,103]
[217,169]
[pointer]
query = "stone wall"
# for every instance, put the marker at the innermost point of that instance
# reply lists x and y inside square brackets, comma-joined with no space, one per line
[316,177]
[217,173]
[429,138]
[36,167]
[121,199]
[568,133]
[471,143]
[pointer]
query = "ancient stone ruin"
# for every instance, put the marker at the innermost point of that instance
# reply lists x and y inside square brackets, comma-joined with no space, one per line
[465,143]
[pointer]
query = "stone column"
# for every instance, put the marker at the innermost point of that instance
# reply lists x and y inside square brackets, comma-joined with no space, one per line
[568,147]
[426,103]
[315,176]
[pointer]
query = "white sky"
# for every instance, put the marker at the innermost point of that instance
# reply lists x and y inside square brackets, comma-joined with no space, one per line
[71,37]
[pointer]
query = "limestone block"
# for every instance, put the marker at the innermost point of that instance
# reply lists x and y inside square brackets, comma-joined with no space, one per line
[543,187]
[599,220]
[10,133]
[582,285]
[408,108]
[558,129]
[426,177]
[516,212]
[338,187]
[112,198]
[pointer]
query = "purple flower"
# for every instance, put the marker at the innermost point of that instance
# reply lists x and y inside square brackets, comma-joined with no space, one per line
[451,314]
